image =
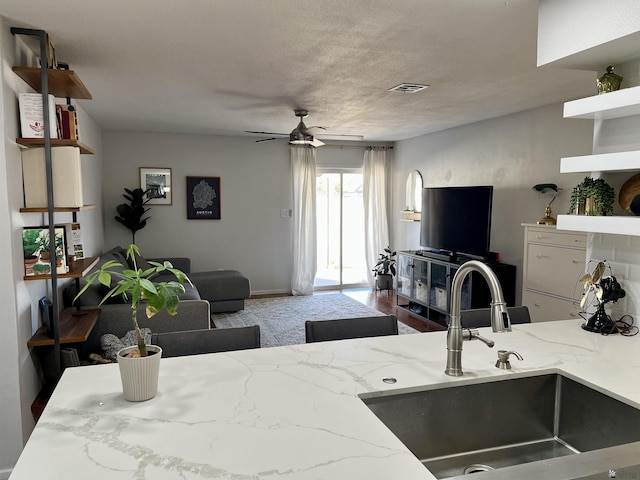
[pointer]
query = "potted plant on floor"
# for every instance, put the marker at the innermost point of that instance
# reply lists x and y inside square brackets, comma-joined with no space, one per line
[130,214]
[385,269]
[139,365]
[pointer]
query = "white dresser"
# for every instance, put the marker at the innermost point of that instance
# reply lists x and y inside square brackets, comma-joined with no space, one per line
[553,263]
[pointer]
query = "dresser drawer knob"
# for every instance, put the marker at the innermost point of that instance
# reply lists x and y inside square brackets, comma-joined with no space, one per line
[536,304]
[573,260]
[540,256]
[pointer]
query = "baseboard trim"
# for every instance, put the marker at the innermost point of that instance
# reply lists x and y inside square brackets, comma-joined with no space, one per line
[255,293]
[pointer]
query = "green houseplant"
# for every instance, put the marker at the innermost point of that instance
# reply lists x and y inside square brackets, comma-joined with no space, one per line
[385,269]
[130,214]
[592,197]
[138,287]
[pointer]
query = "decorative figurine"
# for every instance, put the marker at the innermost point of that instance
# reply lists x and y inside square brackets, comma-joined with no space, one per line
[609,82]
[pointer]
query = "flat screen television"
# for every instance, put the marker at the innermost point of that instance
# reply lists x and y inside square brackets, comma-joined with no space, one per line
[456,220]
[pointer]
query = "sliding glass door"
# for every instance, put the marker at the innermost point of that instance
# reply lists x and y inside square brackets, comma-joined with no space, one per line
[340,224]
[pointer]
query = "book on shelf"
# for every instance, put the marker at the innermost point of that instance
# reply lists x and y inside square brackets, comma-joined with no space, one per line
[75,246]
[67,121]
[67,177]
[32,116]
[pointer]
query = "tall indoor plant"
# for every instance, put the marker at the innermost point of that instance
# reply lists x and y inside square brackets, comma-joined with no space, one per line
[136,285]
[130,214]
[385,269]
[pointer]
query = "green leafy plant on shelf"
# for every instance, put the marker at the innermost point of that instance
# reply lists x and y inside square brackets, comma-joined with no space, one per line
[593,196]
[136,286]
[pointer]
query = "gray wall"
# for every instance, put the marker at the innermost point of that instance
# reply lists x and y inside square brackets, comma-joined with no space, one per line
[512,153]
[255,185]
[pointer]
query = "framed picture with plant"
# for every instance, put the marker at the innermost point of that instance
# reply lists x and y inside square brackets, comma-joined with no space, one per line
[37,250]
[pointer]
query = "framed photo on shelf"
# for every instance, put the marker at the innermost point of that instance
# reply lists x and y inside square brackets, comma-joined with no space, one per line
[157,183]
[37,254]
[203,198]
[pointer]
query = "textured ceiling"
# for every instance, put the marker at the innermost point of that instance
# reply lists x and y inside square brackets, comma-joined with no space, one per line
[226,66]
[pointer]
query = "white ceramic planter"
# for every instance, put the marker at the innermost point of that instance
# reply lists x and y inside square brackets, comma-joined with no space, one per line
[139,375]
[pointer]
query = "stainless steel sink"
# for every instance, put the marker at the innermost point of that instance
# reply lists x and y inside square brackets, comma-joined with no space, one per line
[472,428]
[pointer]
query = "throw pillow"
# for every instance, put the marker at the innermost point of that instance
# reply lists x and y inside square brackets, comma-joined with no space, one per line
[111,344]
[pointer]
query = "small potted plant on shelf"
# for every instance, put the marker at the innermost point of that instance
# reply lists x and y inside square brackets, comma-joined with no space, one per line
[385,269]
[139,365]
[592,197]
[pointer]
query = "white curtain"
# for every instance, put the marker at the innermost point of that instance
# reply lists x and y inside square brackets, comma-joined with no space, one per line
[303,168]
[376,227]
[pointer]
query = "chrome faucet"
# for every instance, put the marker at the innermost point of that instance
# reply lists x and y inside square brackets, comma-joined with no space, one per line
[500,321]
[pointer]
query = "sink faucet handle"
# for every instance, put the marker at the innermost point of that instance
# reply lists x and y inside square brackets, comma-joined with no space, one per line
[503,358]
[472,334]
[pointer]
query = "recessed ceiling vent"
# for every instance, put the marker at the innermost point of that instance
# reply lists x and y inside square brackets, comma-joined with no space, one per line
[408,88]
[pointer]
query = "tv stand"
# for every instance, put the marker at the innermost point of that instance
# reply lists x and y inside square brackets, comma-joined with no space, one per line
[424,285]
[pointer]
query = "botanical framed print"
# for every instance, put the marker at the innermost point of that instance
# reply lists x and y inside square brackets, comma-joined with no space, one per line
[157,183]
[203,198]
[37,253]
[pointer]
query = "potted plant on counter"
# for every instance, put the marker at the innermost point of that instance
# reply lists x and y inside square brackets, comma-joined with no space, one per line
[385,269]
[140,365]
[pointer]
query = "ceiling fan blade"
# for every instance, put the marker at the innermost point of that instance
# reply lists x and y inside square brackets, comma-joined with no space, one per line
[266,139]
[267,133]
[317,143]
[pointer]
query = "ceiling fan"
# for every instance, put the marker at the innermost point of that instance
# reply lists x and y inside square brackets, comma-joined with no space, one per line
[300,135]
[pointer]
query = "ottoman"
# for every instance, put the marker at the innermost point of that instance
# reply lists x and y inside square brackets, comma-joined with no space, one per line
[226,290]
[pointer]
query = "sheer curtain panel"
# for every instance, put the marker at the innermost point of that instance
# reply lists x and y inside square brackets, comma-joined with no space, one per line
[376,227]
[303,168]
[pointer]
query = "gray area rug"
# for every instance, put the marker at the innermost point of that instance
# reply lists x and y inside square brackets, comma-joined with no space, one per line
[281,319]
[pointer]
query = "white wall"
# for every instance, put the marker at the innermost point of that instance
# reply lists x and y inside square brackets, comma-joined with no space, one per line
[19,372]
[512,153]
[255,184]
[567,27]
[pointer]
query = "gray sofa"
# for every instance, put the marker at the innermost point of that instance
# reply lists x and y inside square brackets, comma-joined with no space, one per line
[216,291]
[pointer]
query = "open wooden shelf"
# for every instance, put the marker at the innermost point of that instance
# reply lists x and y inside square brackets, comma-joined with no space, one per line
[57,209]
[78,270]
[75,327]
[622,225]
[55,142]
[62,83]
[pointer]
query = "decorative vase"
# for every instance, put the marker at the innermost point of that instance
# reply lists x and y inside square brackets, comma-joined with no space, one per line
[139,375]
[384,281]
[629,196]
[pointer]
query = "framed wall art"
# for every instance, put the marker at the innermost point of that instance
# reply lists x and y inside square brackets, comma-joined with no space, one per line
[157,181]
[203,198]
[37,253]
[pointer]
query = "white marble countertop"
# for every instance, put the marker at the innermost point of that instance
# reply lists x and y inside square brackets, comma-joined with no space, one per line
[289,412]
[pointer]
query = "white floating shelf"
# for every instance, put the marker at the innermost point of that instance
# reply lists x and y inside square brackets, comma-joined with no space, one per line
[621,103]
[604,162]
[586,223]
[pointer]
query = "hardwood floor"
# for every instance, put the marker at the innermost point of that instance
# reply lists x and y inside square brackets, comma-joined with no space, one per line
[382,301]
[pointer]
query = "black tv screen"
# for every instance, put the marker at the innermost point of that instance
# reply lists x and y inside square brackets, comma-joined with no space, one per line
[457,219]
